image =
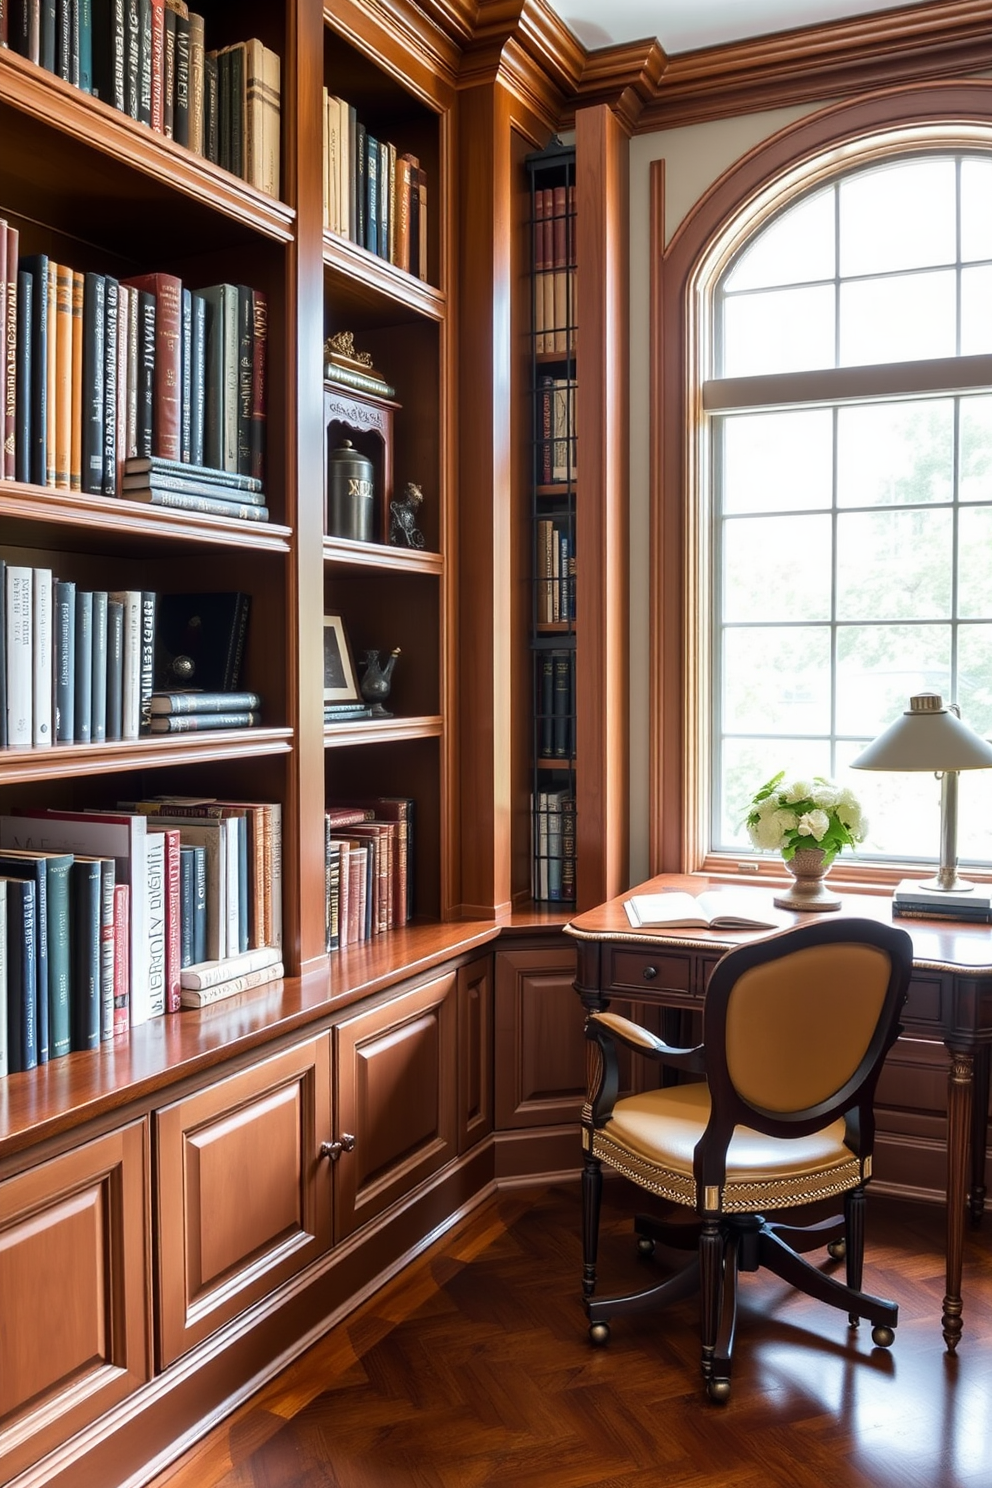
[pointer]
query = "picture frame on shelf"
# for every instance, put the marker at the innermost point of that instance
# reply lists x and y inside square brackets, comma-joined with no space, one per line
[340,681]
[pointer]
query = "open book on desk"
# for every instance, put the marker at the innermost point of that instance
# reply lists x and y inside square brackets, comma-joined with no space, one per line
[716,909]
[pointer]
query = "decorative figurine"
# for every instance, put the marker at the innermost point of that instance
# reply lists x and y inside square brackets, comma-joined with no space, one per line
[403,530]
[376,680]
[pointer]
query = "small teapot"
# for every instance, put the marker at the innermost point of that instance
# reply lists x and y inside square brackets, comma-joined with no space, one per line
[376,680]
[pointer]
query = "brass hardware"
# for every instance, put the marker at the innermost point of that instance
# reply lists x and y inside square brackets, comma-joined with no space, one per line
[333,1150]
[649,973]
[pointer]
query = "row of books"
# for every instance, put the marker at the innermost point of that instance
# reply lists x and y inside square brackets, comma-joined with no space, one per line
[368,868]
[373,195]
[555,568]
[556,704]
[553,828]
[554,269]
[555,432]
[107,912]
[103,376]
[148,59]
[80,665]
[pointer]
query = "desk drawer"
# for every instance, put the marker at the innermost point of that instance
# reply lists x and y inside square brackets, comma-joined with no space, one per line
[658,972]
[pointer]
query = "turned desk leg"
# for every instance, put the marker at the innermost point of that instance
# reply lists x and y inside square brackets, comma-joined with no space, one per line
[979,1132]
[959,1098]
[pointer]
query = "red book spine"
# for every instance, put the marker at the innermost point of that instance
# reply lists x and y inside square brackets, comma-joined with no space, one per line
[167,377]
[122,959]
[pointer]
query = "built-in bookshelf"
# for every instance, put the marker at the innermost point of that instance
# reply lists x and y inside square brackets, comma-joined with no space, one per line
[386,299]
[552,392]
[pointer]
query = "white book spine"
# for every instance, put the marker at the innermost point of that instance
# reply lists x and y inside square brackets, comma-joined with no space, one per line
[42,682]
[204,996]
[155,878]
[20,682]
[131,685]
[211,973]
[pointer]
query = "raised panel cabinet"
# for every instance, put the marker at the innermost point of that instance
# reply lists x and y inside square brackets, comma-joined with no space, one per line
[395,1069]
[74,1293]
[244,1199]
[475,1052]
[540,1043]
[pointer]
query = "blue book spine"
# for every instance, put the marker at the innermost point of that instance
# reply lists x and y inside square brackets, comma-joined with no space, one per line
[86,942]
[84,666]
[115,669]
[22,976]
[85,8]
[372,193]
[65,661]
[199,905]
[187,870]
[37,266]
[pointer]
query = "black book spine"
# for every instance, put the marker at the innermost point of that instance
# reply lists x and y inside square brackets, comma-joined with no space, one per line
[169,74]
[110,372]
[86,906]
[37,266]
[181,98]
[22,976]
[115,669]
[560,721]
[98,717]
[245,357]
[94,332]
[84,666]
[145,61]
[197,378]
[63,39]
[65,661]
[132,58]
[25,335]
[237,96]
[211,110]
[146,372]
[186,406]
[187,869]
[79,16]
[546,705]
[147,666]
[3,655]
[110,52]
[49,29]
[224,110]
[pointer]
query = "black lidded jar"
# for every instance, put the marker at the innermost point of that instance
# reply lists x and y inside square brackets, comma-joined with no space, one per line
[350,494]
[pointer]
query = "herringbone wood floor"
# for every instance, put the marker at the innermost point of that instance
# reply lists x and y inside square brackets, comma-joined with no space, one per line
[473,1368]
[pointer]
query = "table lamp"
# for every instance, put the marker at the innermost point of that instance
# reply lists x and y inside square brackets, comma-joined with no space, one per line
[930,736]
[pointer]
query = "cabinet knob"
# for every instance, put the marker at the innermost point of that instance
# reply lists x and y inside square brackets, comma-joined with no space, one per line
[649,973]
[333,1150]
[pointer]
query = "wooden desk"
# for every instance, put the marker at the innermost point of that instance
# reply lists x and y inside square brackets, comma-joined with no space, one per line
[950,998]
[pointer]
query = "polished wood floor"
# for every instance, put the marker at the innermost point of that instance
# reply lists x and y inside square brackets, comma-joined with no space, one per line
[474,1368]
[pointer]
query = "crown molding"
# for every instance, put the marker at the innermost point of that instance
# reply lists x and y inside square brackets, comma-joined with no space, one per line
[947,39]
[524,46]
[627,78]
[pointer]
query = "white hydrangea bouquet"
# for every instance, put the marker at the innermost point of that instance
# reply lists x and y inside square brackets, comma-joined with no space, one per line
[790,816]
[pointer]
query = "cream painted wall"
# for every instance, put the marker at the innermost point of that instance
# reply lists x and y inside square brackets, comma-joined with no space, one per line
[695,157]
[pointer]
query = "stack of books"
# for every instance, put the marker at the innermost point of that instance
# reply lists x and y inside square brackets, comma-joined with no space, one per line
[368,848]
[149,60]
[212,981]
[194,488]
[373,195]
[138,387]
[345,712]
[189,712]
[553,834]
[912,901]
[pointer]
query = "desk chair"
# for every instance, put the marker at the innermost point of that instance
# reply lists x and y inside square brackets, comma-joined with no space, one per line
[795,1030]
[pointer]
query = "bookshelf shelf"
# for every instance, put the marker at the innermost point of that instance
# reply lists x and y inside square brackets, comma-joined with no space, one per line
[348,557]
[86,148]
[384,291]
[110,524]
[381,731]
[64,760]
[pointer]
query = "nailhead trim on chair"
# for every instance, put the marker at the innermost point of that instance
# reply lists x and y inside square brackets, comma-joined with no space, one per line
[746,1198]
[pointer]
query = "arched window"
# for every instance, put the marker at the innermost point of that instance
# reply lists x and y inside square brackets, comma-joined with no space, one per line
[844,341]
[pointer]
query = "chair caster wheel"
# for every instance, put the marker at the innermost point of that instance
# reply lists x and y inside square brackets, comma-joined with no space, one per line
[645,1246]
[882,1336]
[837,1249]
[718,1390]
[599,1334]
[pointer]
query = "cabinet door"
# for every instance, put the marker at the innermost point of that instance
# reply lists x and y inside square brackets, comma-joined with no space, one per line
[395,1070]
[243,1199]
[540,1039]
[475,1052]
[74,1293]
